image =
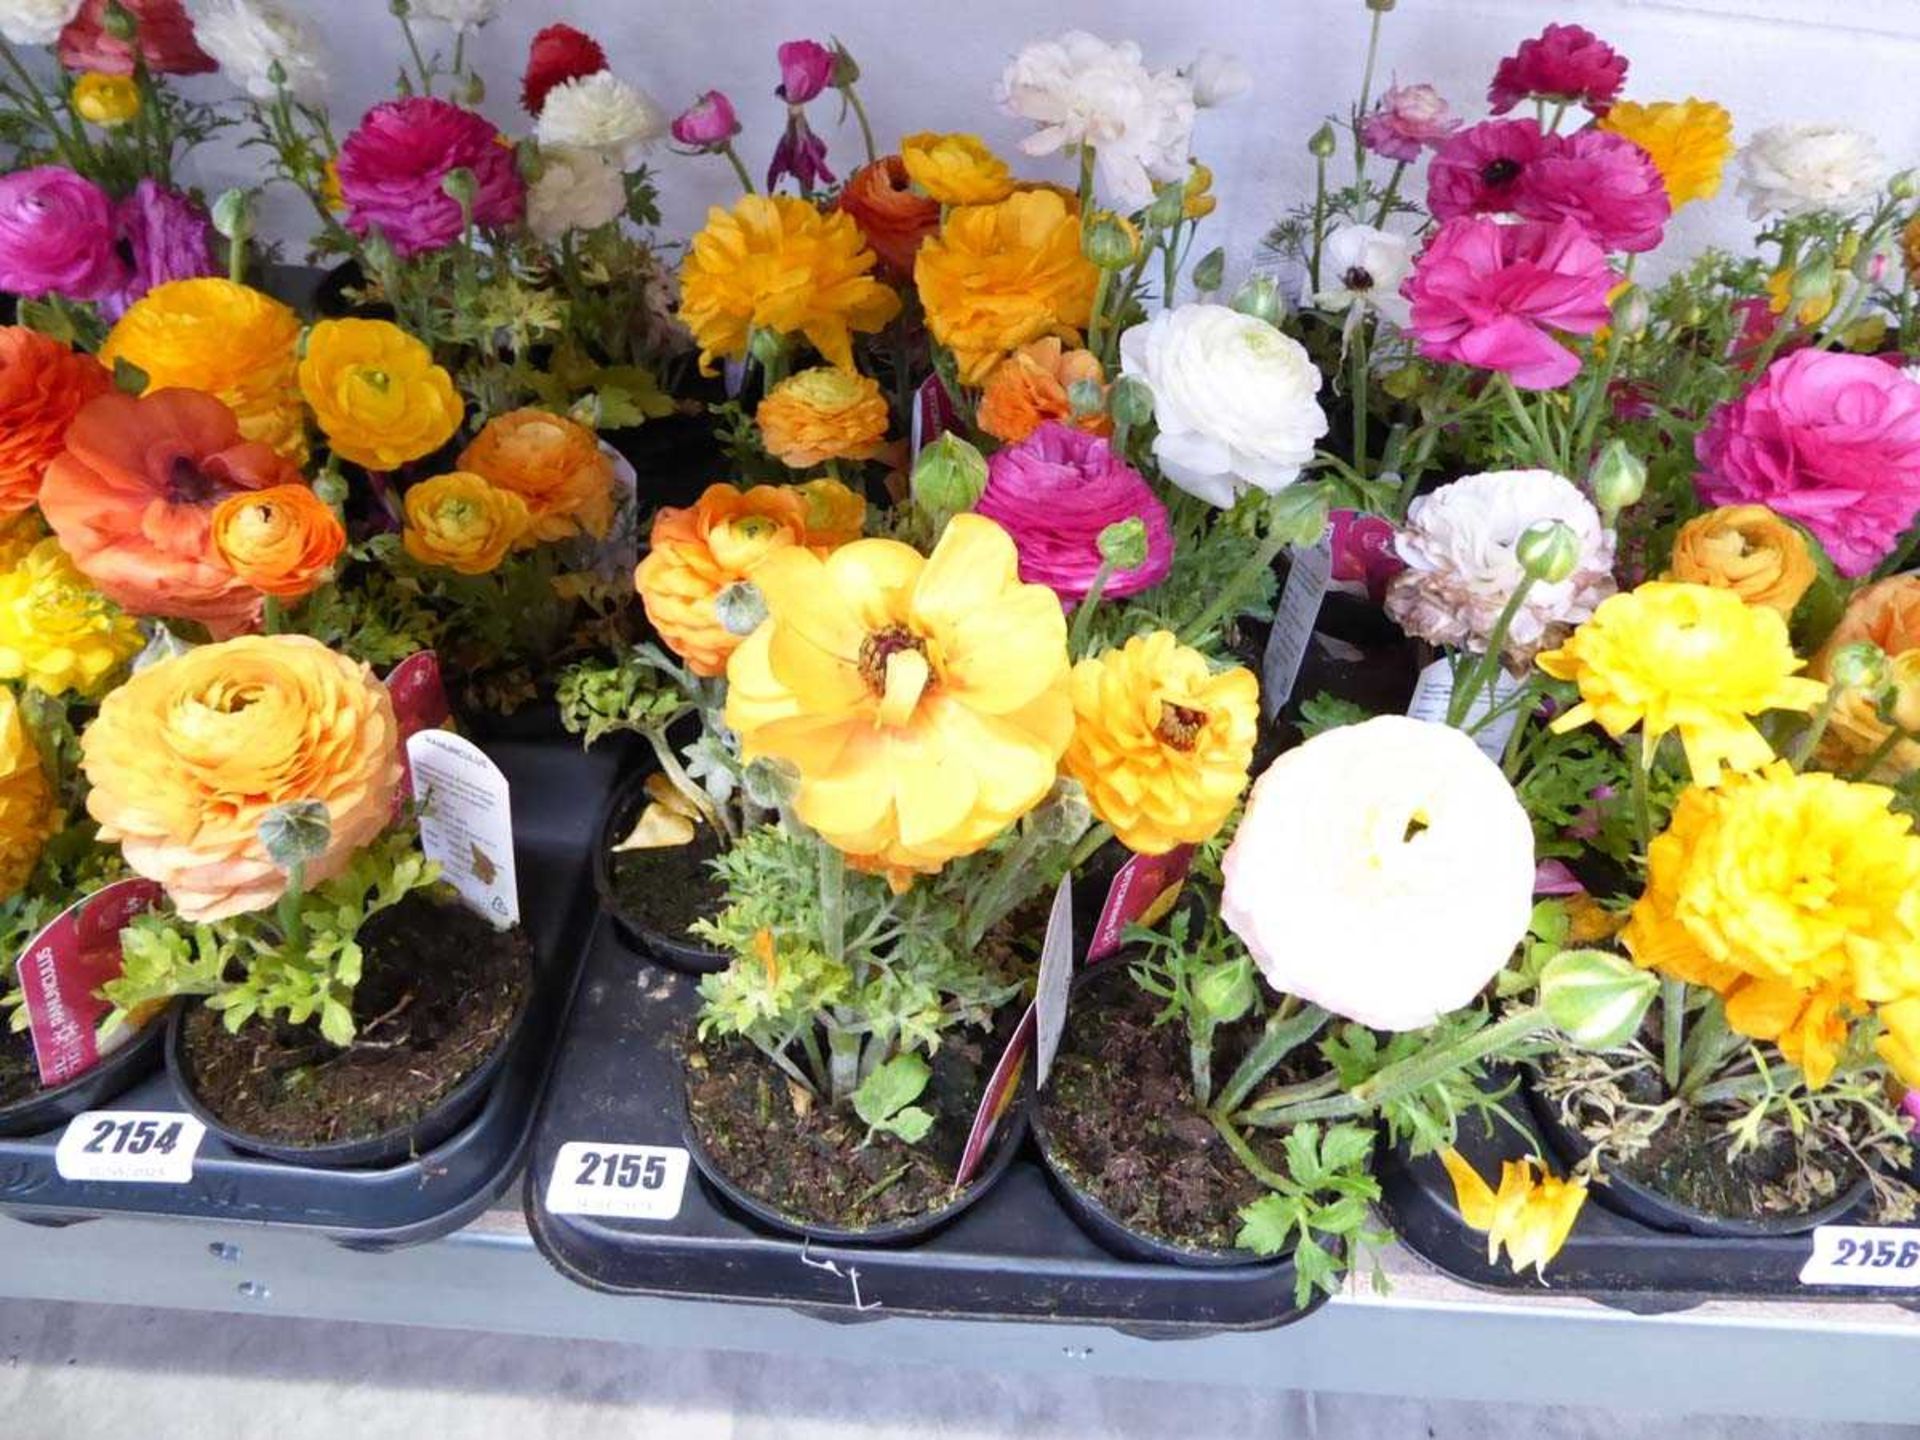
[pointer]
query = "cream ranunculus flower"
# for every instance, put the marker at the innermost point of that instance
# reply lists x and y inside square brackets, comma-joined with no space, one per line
[599,112]
[1800,169]
[1217,77]
[461,14]
[1383,871]
[250,37]
[577,190]
[1461,568]
[1234,399]
[1363,268]
[35,22]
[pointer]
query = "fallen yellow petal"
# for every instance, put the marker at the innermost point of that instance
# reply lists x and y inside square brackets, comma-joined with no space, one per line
[657,829]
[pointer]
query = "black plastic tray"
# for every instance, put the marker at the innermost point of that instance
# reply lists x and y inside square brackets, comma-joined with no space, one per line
[557,794]
[1016,1254]
[1608,1257]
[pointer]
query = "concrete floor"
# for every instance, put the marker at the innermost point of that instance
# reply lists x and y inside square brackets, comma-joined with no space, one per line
[74,1372]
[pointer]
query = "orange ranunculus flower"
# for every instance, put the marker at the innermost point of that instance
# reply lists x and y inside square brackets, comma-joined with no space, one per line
[43,384]
[835,514]
[1030,387]
[460,522]
[1885,613]
[1749,550]
[882,202]
[823,414]
[955,169]
[554,464]
[28,815]
[132,499]
[189,756]
[282,541]
[998,276]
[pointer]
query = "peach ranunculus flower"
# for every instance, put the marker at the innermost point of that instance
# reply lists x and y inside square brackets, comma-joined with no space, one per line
[1030,387]
[895,219]
[998,276]
[955,169]
[282,541]
[460,522]
[1887,614]
[226,339]
[43,384]
[27,814]
[377,394]
[191,754]
[1749,550]
[823,414]
[553,463]
[132,499]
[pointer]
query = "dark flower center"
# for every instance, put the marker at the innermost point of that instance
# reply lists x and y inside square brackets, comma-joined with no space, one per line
[1500,172]
[188,484]
[1358,277]
[881,646]
[1180,725]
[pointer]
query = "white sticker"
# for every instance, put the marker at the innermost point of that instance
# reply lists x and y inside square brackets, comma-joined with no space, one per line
[625,1182]
[1885,1257]
[1434,692]
[1056,978]
[130,1147]
[1300,603]
[466,821]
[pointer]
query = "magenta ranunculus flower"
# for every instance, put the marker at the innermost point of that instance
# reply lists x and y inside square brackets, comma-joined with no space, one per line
[1363,552]
[1563,62]
[56,236]
[1607,183]
[1482,170]
[1493,296]
[392,164]
[1829,440]
[806,68]
[166,235]
[802,154]
[1408,119]
[1054,493]
[707,123]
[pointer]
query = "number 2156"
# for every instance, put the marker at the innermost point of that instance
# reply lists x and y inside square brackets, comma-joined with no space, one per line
[1877,1254]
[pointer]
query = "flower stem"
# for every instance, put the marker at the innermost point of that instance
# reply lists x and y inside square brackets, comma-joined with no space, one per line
[1243,1152]
[1083,615]
[1357,377]
[1236,588]
[1673,1031]
[1086,184]
[1391,194]
[866,127]
[1366,98]
[739,169]
[1865,769]
[1480,672]
[1319,218]
[1284,1033]
[1803,751]
[677,777]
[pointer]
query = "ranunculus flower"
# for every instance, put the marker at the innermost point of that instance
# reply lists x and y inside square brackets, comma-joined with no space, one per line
[599,112]
[108,101]
[1562,63]
[460,522]
[558,54]
[1383,871]
[1749,550]
[1826,439]
[168,237]
[802,154]
[1217,77]
[706,124]
[1031,386]
[1481,170]
[806,68]
[35,22]
[1458,545]
[1408,119]
[577,190]
[1363,269]
[895,220]
[190,755]
[1610,185]
[955,169]
[250,37]
[132,499]
[1793,170]
[823,413]
[57,633]
[282,541]
[28,818]
[1887,614]
[1689,142]
[56,236]
[1363,552]
[460,14]
[392,165]
[553,463]
[377,393]
[163,32]
[1235,400]
[43,385]
[1493,296]
[1054,493]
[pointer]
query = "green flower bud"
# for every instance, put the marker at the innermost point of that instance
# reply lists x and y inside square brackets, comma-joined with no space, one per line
[948,476]
[1123,544]
[1860,666]
[1381,6]
[740,608]
[1618,479]
[1903,186]
[233,214]
[1548,552]
[460,185]
[1063,817]
[1110,242]
[276,75]
[1130,401]
[1210,270]
[1087,397]
[846,70]
[1225,993]
[118,22]
[1298,514]
[1322,143]
[400,8]
[1169,205]
[476,93]
[1260,297]
[1595,999]
[297,832]
[766,346]
[1813,281]
[1631,312]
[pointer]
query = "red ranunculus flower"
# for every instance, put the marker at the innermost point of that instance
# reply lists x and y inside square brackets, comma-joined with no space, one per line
[1562,62]
[558,54]
[162,30]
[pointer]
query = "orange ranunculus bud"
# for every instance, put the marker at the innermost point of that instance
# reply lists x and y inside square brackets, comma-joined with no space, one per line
[1031,386]
[881,201]
[43,384]
[1749,550]
[282,541]
[460,522]
[554,464]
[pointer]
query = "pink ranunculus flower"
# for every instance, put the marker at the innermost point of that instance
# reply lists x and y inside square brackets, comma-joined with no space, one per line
[806,68]
[1054,493]
[166,235]
[1829,440]
[56,236]
[707,123]
[162,30]
[1607,183]
[1493,296]
[1563,62]
[1483,169]
[1363,552]
[392,165]
[1408,119]
[802,154]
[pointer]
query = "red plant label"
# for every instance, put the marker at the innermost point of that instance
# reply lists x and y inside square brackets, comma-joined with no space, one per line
[62,970]
[1144,882]
[419,703]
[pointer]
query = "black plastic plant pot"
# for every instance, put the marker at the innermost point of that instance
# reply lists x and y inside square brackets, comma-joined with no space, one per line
[677,952]
[538,719]
[45,1109]
[1639,1201]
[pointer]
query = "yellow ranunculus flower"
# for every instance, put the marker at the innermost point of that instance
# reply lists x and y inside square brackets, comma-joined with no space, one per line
[1690,658]
[1531,1214]
[460,522]
[27,817]
[57,633]
[106,100]
[924,701]
[1197,199]
[18,536]
[1689,141]
[330,193]
[1160,742]
[955,169]
[1780,300]
[835,514]
[227,340]
[377,394]
[998,276]
[823,414]
[776,263]
[1749,550]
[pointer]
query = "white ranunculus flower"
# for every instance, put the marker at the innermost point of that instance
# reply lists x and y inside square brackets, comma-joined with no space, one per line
[577,190]
[249,37]
[1800,169]
[1362,269]
[1080,90]
[1461,568]
[461,14]
[1234,399]
[1217,77]
[36,22]
[1383,871]
[599,112]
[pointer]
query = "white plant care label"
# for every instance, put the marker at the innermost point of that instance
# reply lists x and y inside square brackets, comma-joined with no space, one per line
[618,1182]
[1886,1257]
[466,821]
[130,1147]
[1056,979]
[1300,601]
[1434,693]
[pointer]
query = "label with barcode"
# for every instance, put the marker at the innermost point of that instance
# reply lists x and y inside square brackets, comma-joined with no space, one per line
[130,1147]
[621,1182]
[1884,1256]
[1300,601]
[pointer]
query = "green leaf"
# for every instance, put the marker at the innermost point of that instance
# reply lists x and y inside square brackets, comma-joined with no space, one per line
[1347,1147]
[1324,712]
[891,1088]
[1267,1225]
[911,1124]
[336,1022]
